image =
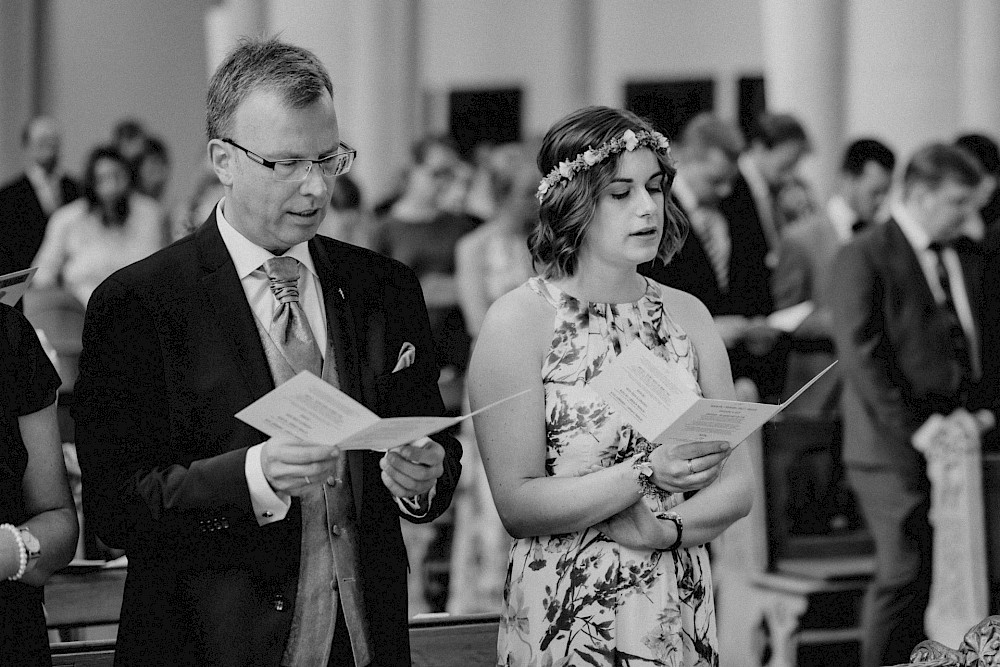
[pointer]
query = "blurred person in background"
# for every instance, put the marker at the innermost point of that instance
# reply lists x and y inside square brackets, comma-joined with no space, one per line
[986,151]
[128,137]
[348,220]
[720,260]
[806,255]
[421,230]
[795,201]
[38,520]
[907,321]
[153,169]
[207,192]
[27,202]
[107,228]
[490,261]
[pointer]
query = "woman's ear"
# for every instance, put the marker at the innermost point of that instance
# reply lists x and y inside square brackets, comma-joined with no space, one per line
[221,158]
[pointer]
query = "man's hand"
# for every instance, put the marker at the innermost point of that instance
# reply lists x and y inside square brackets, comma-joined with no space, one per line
[412,469]
[688,466]
[290,466]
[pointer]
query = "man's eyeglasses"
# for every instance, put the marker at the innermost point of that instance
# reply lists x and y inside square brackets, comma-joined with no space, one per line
[298,170]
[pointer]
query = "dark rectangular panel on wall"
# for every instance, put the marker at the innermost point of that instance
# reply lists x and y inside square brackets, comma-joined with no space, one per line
[484,116]
[752,101]
[668,105]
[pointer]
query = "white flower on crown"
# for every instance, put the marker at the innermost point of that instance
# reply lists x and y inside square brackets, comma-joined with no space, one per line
[631,141]
[591,157]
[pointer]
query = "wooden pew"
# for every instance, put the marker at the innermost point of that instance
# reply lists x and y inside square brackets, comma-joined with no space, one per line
[435,641]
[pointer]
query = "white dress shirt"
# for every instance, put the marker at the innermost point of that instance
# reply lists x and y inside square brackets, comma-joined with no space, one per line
[248,259]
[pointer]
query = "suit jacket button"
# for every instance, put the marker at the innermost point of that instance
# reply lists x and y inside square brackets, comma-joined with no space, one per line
[279,602]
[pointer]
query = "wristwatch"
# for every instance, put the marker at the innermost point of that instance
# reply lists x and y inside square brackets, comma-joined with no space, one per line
[31,544]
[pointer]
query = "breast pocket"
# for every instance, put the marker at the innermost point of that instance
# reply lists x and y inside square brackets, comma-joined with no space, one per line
[405,393]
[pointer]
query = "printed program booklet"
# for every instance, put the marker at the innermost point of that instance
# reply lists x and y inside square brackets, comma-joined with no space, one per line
[659,399]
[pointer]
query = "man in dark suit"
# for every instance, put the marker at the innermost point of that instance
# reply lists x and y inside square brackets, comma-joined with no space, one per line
[722,259]
[808,247]
[245,550]
[27,202]
[907,323]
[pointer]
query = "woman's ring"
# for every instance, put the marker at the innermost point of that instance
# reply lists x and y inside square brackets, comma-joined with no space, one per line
[306,477]
[690,467]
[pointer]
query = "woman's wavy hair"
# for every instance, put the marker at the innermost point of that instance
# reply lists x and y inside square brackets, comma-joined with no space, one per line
[568,208]
[119,214]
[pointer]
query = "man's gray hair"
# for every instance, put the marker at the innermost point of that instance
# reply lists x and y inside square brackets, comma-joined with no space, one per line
[294,73]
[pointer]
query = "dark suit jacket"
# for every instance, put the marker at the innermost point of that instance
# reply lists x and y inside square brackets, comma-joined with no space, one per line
[22,220]
[894,347]
[170,354]
[691,271]
[749,274]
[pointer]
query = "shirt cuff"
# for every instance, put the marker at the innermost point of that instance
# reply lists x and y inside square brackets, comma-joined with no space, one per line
[417,506]
[268,506]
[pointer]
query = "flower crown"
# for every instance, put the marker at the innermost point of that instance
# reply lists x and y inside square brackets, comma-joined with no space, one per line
[629,141]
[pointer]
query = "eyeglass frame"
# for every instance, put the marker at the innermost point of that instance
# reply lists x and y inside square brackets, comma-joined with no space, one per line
[271,164]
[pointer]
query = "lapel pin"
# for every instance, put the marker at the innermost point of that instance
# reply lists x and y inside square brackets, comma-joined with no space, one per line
[341,294]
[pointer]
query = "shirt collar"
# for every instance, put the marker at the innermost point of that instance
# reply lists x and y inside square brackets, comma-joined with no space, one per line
[912,230]
[247,255]
[841,215]
[754,178]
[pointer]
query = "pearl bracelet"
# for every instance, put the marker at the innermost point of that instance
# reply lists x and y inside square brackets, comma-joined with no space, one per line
[22,550]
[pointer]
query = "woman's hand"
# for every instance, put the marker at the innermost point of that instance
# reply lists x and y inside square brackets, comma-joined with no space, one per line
[636,528]
[10,555]
[688,466]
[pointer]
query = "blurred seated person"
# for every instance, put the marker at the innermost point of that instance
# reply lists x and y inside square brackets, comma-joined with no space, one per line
[27,202]
[153,169]
[347,220]
[806,256]
[494,259]
[106,229]
[421,230]
[719,262]
[38,522]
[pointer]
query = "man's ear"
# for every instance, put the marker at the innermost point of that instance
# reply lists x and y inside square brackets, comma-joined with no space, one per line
[221,159]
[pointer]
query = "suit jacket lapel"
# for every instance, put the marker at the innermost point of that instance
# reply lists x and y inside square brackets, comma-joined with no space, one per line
[342,341]
[227,305]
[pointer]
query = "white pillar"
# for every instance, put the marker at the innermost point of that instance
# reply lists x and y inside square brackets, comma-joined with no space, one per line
[226,22]
[902,72]
[979,41]
[804,76]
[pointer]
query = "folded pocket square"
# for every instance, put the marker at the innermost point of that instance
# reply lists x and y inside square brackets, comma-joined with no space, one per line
[407,355]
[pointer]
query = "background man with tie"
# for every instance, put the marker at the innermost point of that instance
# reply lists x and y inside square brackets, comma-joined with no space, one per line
[243,550]
[807,249]
[721,261]
[909,343]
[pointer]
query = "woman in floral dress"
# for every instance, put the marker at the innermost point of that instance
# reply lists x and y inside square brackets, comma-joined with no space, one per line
[608,566]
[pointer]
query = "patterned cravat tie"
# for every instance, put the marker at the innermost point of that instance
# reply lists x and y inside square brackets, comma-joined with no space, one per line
[315,612]
[289,327]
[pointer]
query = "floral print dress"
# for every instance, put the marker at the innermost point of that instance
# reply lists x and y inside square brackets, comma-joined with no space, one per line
[580,598]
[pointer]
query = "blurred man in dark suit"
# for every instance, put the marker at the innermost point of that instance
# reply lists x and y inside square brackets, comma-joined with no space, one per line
[907,312]
[27,202]
[808,247]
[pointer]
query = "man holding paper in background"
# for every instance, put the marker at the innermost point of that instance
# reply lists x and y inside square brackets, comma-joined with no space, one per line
[244,550]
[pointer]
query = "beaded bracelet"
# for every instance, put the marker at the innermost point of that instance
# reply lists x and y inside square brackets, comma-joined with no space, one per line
[22,550]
